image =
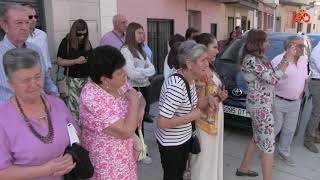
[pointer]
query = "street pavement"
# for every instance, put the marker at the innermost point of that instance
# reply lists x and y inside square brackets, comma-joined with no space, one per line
[235,141]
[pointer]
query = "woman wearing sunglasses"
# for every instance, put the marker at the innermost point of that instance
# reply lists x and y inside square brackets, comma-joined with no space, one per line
[72,55]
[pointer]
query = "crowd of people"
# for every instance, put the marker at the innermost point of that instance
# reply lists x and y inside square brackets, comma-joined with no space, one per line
[108,100]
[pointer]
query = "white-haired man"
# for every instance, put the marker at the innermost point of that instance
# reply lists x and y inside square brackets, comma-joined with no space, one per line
[116,37]
[16,25]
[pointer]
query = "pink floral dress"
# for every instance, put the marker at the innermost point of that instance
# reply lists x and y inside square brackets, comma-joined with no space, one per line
[111,157]
[261,78]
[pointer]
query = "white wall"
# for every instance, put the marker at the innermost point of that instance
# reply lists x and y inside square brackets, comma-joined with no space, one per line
[108,8]
[60,14]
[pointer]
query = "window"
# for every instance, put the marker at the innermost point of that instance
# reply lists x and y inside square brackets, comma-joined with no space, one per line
[293,24]
[270,21]
[194,19]
[159,32]
[214,29]
[230,24]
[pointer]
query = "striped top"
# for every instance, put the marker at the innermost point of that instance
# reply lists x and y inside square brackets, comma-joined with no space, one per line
[174,101]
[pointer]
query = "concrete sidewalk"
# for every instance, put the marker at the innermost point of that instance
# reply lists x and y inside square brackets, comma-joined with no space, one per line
[235,142]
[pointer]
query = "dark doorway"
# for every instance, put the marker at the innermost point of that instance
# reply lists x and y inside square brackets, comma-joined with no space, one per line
[159,32]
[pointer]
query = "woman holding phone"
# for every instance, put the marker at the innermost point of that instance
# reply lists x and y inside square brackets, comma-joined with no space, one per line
[72,55]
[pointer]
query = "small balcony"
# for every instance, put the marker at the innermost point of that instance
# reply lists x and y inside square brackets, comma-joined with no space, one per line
[250,4]
[296,2]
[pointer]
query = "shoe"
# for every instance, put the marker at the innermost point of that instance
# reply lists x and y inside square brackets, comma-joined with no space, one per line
[148,120]
[288,160]
[249,173]
[146,160]
[311,146]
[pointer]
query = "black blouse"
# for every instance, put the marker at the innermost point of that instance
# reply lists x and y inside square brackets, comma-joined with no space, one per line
[77,70]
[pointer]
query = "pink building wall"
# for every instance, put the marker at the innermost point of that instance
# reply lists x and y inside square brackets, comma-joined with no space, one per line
[211,12]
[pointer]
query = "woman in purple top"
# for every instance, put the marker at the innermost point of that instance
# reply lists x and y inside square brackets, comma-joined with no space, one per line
[33,126]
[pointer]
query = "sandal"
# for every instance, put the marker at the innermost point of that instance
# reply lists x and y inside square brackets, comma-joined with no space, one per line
[249,173]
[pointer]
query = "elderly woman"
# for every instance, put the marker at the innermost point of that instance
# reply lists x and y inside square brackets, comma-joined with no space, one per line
[33,126]
[208,165]
[110,111]
[174,129]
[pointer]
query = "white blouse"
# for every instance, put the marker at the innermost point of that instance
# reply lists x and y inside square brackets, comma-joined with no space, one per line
[138,73]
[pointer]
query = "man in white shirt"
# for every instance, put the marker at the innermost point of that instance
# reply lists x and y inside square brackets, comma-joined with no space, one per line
[312,131]
[37,36]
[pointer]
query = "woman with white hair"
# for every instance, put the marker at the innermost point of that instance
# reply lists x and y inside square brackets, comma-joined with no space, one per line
[178,108]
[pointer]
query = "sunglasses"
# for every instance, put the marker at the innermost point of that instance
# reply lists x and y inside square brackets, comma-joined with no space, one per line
[81,34]
[33,16]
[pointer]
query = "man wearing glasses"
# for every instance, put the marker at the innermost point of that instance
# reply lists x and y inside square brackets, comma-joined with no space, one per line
[289,91]
[116,37]
[15,24]
[37,36]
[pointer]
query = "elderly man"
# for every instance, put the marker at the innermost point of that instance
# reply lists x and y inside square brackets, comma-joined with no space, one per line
[312,130]
[17,29]
[288,92]
[116,37]
[37,36]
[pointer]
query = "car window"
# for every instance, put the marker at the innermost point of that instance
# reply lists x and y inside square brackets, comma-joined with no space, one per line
[275,48]
[231,53]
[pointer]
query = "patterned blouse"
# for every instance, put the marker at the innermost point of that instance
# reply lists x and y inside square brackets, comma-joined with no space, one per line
[261,79]
[111,157]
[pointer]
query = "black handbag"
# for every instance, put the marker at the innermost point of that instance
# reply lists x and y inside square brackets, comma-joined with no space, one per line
[195,147]
[84,168]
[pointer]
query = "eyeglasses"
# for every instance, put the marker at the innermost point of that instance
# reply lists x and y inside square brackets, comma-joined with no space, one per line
[81,34]
[33,16]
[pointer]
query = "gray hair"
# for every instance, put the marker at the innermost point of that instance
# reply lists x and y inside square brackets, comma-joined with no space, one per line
[290,39]
[4,10]
[19,58]
[115,19]
[190,51]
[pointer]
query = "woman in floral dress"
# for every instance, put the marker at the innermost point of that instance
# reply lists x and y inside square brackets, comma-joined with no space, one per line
[261,78]
[110,111]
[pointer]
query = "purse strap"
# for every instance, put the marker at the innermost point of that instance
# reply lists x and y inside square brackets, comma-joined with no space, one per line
[72,132]
[141,138]
[189,95]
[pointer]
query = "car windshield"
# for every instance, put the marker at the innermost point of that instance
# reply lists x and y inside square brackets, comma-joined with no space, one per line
[275,48]
[232,54]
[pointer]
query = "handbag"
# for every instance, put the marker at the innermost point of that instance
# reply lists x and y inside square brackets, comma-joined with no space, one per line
[63,84]
[195,147]
[141,146]
[84,168]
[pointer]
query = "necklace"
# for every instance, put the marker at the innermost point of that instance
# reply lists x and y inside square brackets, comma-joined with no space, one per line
[45,139]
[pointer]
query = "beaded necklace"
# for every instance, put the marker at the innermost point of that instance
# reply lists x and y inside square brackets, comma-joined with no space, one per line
[45,139]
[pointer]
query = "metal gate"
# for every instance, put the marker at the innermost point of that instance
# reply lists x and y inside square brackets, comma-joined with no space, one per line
[37,4]
[159,32]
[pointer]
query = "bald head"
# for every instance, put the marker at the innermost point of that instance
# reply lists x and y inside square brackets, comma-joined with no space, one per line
[119,23]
